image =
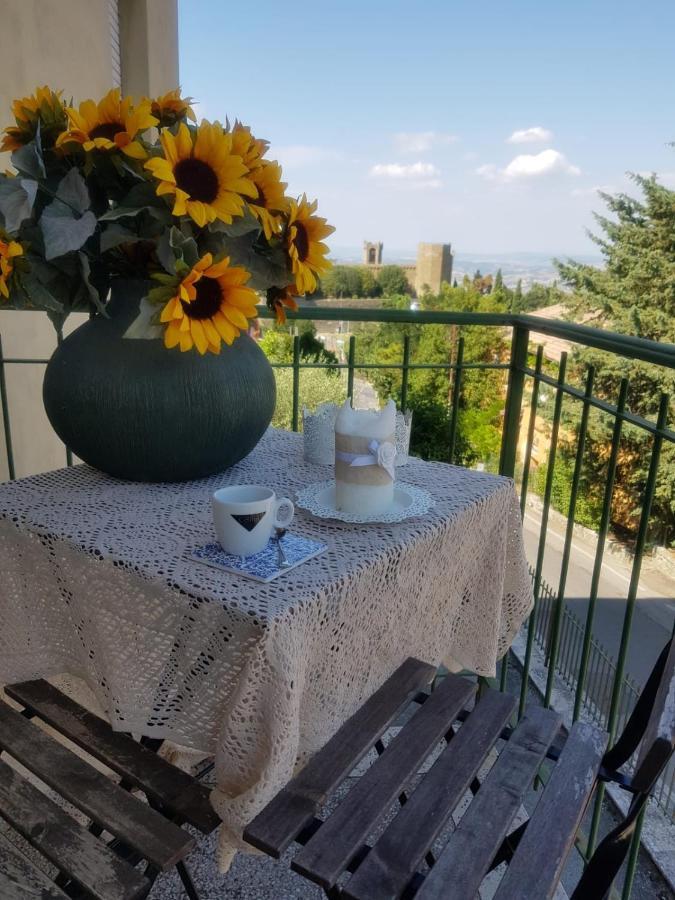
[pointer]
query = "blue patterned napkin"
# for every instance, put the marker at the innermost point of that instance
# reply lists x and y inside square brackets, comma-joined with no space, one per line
[262,566]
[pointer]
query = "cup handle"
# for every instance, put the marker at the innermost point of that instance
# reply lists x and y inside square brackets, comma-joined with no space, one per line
[283,514]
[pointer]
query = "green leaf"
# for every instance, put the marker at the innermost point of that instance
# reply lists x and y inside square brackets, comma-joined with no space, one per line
[62,232]
[40,297]
[268,265]
[17,196]
[241,225]
[146,325]
[114,235]
[94,295]
[73,191]
[28,160]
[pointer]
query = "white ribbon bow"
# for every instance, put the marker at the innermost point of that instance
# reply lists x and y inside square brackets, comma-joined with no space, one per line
[382,454]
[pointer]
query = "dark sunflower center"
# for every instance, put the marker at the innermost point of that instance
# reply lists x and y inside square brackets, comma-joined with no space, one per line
[260,199]
[106,130]
[301,241]
[207,302]
[197,179]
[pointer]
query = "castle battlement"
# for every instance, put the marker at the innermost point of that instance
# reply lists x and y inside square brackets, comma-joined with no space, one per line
[433,266]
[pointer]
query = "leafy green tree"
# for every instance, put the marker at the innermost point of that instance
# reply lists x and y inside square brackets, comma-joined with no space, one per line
[342,281]
[633,294]
[277,344]
[430,391]
[369,284]
[392,281]
[316,386]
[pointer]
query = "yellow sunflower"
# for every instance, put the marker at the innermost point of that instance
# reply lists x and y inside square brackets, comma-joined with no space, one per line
[278,298]
[112,124]
[9,250]
[171,108]
[251,149]
[45,107]
[200,168]
[211,305]
[304,234]
[271,199]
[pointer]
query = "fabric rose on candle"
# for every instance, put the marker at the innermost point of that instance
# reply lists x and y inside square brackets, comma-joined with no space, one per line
[386,457]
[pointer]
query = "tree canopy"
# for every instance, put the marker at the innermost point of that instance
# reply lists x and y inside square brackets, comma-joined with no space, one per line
[633,294]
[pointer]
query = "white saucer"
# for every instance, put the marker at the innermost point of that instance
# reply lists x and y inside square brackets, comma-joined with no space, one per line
[409,501]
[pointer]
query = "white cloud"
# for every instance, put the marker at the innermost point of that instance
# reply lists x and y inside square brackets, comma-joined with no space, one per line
[421,141]
[419,175]
[534,135]
[293,155]
[398,171]
[530,165]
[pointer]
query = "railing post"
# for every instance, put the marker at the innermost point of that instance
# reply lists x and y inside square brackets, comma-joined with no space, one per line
[514,400]
[296,381]
[4,403]
[350,367]
[456,391]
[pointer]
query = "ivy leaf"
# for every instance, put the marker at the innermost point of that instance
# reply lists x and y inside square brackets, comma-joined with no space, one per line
[73,191]
[241,225]
[62,232]
[17,196]
[146,325]
[28,161]
[268,266]
[114,235]
[40,296]
[94,295]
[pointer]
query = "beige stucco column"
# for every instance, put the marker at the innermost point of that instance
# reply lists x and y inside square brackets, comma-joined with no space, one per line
[84,47]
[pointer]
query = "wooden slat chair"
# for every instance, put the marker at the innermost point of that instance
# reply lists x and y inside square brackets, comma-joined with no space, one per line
[90,866]
[485,836]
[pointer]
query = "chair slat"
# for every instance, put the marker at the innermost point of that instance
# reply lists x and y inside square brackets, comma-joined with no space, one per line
[158,840]
[538,862]
[158,779]
[329,851]
[467,856]
[65,842]
[393,860]
[659,739]
[292,809]
[21,880]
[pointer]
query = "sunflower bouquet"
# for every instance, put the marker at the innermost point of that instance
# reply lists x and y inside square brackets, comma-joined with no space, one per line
[124,188]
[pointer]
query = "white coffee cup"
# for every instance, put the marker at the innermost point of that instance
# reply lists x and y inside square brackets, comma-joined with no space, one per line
[244,516]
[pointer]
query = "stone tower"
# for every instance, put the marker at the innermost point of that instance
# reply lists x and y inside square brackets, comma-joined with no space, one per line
[434,266]
[372,253]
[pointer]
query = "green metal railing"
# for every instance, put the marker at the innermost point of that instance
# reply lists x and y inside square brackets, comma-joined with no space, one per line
[573,655]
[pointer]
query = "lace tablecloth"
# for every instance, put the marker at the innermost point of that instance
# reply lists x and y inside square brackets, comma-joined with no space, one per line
[97,582]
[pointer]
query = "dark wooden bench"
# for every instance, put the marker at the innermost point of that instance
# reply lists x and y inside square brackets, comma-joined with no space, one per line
[338,853]
[99,859]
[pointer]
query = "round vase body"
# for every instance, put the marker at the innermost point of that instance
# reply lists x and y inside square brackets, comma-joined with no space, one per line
[136,410]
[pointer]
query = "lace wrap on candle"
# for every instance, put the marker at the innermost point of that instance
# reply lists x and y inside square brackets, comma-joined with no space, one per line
[362,460]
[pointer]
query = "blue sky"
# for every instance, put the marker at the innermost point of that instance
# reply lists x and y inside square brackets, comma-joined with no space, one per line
[487,124]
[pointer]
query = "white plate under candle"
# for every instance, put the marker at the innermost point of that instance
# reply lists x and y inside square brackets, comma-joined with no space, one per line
[409,501]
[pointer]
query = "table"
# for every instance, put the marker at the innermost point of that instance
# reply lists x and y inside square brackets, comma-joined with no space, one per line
[97,582]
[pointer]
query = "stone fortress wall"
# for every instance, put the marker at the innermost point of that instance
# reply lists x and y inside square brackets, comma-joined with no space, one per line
[433,267]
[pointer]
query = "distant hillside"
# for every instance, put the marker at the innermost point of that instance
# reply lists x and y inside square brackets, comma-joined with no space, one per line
[529,267]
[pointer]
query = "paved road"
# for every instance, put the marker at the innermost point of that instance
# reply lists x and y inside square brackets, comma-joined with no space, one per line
[654,611]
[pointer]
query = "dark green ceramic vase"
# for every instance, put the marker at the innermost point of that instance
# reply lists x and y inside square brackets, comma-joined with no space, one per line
[136,410]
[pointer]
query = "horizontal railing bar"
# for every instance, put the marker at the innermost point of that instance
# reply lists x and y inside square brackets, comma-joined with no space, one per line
[33,362]
[661,354]
[626,416]
[333,366]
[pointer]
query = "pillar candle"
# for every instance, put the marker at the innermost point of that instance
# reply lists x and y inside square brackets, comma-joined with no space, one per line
[365,452]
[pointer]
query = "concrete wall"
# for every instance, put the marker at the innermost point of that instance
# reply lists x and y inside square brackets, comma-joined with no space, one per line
[69,44]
